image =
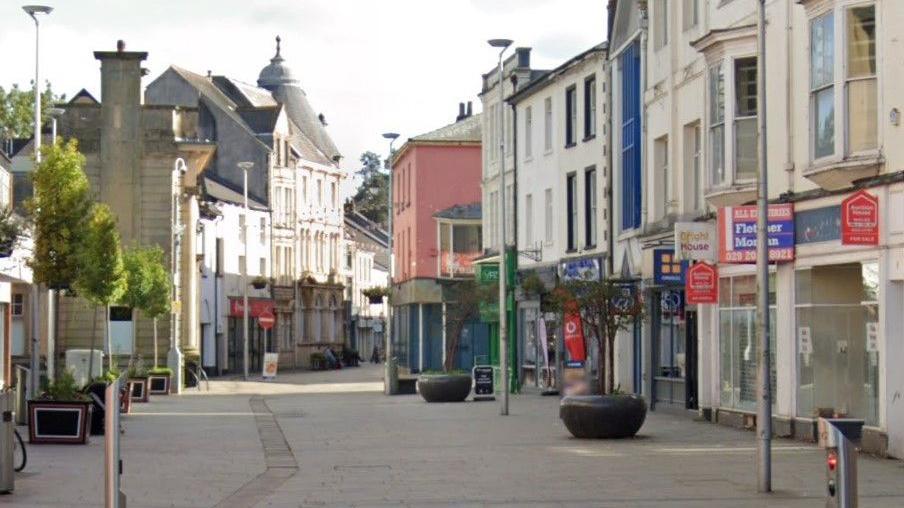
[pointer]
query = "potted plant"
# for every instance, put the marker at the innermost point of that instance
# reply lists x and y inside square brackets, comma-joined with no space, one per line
[602,307]
[61,415]
[463,300]
[138,381]
[159,380]
[259,282]
[375,295]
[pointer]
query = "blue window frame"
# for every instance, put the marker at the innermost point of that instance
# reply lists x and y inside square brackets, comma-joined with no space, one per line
[629,63]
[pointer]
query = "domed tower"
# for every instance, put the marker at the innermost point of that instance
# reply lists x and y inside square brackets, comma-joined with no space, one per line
[280,81]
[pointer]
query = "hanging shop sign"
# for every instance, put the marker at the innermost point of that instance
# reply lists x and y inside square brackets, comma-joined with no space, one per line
[666,269]
[860,219]
[626,301]
[574,337]
[695,241]
[702,286]
[488,273]
[737,238]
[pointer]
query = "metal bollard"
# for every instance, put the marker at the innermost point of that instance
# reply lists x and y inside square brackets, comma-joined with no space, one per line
[391,377]
[840,437]
[7,426]
[21,395]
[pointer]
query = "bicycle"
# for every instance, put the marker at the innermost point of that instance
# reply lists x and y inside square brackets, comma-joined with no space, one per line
[20,456]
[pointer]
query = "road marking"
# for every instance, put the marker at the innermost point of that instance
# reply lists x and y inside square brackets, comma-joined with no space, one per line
[737,449]
[192,414]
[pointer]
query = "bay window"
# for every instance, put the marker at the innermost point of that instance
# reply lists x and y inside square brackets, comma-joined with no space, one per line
[717,124]
[745,119]
[862,102]
[822,89]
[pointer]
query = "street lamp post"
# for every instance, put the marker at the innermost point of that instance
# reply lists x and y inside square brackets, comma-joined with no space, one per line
[174,356]
[502,44]
[245,167]
[55,114]
[388,385]
[34,11]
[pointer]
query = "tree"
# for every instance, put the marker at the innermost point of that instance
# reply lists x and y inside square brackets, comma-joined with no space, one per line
[603,312]
[463,299]
[147,285]
[60,211]
[372,197]
[101,278]
[17,109]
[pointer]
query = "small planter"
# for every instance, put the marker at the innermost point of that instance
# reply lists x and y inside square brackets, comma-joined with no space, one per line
[138,389]
[444,387]
[159,384]
[603,416]
[52,422]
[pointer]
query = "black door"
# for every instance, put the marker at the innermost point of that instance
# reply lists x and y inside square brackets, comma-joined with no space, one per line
[690,381]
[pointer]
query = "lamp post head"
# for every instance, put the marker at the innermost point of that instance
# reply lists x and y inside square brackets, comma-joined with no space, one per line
[245,166]
[500,43]
[390,135]
[32,10]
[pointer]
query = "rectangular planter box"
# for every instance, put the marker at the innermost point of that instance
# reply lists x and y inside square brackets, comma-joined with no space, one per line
[158,384]
[138,388]
[58,422]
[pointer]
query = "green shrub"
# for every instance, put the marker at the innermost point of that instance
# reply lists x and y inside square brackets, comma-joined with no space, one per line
[64,389]
[161,371]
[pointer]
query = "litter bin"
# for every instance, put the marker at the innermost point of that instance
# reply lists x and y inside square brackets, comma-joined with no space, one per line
[391,377]
[840,437]
[7,426]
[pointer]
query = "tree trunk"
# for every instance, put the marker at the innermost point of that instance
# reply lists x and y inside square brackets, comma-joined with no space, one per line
[91,349]
[109,339]
[452,346]
[611,360]
[155,342]
[601,360]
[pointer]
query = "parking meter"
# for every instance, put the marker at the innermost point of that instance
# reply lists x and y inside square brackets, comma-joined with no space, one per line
[840,438]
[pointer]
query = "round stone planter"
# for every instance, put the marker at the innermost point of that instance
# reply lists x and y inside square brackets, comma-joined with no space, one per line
[603,416]
[444,387]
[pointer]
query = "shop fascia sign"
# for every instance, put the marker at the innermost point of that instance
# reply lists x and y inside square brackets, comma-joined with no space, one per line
[256,307]
[580,269]
[737,233]
[860,219]
[695,241]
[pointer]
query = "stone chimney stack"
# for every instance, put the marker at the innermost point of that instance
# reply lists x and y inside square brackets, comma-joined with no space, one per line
[120,138]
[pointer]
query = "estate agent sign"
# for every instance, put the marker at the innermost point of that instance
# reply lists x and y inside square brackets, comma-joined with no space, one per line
[702,284]
[860,219]
[695,241]
[737,226]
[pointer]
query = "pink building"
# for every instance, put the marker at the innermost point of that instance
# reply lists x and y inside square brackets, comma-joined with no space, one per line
[431,173]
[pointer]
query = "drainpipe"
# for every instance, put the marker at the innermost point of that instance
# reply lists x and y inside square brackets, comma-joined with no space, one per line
[610,225]
[789,114]
[644,210]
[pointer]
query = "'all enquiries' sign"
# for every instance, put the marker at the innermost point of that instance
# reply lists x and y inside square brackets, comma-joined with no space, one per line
[860,219]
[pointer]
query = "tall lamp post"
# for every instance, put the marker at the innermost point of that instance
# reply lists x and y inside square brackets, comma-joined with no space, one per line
[389,388]
[502,45]
[245,167]
[34,11]
[174,356]
[764,386]
[55,114]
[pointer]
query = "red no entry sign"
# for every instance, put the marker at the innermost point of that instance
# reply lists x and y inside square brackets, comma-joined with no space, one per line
[266,320]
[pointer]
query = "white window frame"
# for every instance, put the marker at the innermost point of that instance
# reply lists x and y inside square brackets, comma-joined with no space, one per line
[660,24]
[728,123]
[547,125]
[548,216]
[528,133]
[529,220]
[690,14]
[714,124]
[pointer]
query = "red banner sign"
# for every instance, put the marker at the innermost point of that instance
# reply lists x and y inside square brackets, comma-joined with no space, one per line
[702,284]
[860,219]
[257,307]
[574,337]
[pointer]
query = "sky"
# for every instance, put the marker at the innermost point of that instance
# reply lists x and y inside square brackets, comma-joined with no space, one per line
[370,66]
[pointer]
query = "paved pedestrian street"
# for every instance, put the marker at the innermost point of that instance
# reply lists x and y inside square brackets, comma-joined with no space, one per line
[333,439]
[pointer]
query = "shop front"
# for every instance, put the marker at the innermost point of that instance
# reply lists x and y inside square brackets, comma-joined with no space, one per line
[258,338]
[538,329]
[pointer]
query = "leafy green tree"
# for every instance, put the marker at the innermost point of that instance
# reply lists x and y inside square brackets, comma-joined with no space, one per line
[101,278]
[373,195]
[147,285]
[463,299]
[17,109]
[60,211]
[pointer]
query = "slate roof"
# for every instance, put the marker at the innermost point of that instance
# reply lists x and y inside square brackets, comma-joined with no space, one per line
[83,97]
[218,191]
[261,120]
[470,211]
[243,94]
[467,130]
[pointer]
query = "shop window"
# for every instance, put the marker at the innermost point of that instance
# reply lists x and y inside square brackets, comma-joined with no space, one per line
[837,340]
[738,341]
[18,307]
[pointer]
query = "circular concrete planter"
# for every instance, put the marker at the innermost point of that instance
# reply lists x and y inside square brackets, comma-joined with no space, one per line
[603,416]
[444,387]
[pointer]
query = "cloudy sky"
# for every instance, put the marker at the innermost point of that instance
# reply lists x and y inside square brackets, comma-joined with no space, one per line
[369,65]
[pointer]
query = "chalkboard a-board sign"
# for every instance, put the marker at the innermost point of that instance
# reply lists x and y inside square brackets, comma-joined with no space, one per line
[483,382]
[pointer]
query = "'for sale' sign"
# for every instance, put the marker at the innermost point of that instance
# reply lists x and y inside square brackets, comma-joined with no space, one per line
[860,219]
[702,284]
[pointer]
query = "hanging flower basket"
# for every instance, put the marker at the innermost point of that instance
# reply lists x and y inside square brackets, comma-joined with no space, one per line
[375,295]
[259,283]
